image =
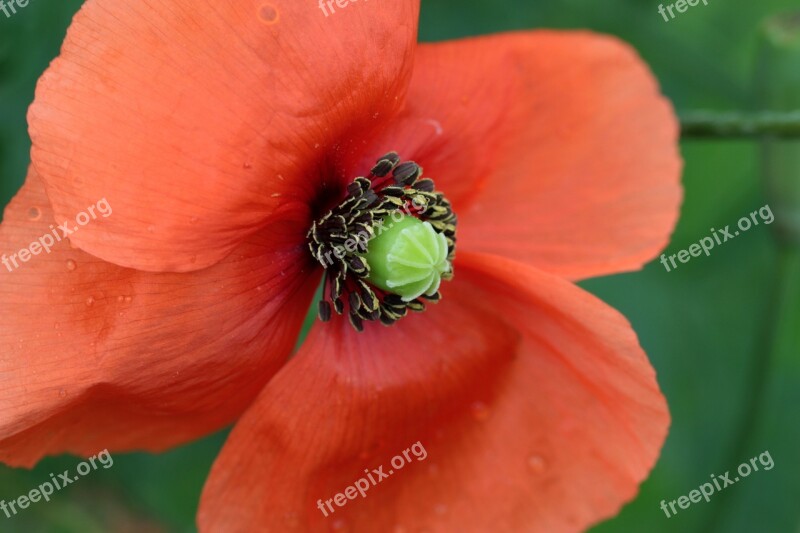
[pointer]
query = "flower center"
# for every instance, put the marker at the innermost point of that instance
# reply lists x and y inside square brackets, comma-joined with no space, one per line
[387,247]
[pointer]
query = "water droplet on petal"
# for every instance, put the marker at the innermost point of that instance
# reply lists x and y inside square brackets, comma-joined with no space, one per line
[128,299]
[71,265]
[151,229]
[56,325]
[62,393]
[291,520]
[536,464]
[89,301]
[268,14]
[480,411]
[120,299]
[34,213]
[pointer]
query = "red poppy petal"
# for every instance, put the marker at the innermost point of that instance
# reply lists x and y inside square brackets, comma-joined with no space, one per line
[97,356]
[535,404]
[556,148]
[197,120]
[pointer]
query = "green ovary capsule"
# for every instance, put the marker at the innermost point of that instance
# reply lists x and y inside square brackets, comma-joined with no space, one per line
[408,258]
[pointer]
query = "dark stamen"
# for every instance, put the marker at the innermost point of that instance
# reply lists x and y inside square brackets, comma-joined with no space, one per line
[339,239]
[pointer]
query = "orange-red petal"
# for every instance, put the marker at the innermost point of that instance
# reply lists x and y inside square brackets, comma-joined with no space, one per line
[556,148]
[535,404]
[198,120]
[97,356]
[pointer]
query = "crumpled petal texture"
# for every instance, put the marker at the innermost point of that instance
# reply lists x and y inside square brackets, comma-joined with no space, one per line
[199,120]
[537,407]
[556,148]
[97,356]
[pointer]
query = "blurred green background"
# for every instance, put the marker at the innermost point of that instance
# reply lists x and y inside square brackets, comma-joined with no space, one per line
[732,377]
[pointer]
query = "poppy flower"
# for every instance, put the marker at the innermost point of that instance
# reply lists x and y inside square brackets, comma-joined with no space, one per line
[229,138]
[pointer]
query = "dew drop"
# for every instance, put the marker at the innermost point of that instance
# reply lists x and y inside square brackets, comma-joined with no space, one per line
[151,229]
[536,464]
[480,411]
[291,520]
[62,393]
[268,14]
[71,265]
[128,299]
[89,301]
[57,325]
[34,213]
[120,299]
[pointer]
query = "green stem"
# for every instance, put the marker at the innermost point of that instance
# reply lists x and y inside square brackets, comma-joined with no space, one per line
[739,125]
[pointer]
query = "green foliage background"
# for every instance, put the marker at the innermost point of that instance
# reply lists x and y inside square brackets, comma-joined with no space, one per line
[706,326]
